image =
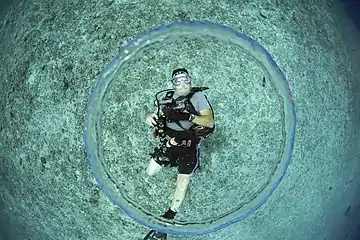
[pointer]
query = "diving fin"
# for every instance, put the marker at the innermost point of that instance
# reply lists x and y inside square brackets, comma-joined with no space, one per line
[155,235]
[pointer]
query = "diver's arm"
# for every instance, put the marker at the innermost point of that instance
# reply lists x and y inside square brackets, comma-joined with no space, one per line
[204,119]
[155,112]
[152,117]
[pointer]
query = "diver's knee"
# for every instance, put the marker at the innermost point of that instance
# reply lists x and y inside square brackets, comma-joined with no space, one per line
[184,175]
[183,180]
[153,167]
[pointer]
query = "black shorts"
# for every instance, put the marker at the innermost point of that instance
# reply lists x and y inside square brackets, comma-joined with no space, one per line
[187,159]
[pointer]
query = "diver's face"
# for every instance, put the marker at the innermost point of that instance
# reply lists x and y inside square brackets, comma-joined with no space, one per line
[183,89]
[182,84]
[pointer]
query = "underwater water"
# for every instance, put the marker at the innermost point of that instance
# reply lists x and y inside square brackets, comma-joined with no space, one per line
[352,7]
[52,55]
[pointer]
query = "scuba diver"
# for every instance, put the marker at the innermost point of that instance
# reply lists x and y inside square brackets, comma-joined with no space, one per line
[183,118]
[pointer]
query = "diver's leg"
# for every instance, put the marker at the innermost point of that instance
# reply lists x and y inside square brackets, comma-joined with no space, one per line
[182,184]
[188,162]
[153,167]
[158,160]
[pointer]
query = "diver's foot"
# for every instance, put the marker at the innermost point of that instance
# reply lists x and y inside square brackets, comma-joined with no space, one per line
[170,214]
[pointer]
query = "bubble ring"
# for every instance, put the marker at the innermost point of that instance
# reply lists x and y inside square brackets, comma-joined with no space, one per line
[92,129]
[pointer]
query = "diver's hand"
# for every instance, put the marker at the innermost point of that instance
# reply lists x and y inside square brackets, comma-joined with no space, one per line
[151,119]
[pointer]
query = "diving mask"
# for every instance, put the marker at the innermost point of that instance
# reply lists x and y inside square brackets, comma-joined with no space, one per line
[181,78]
